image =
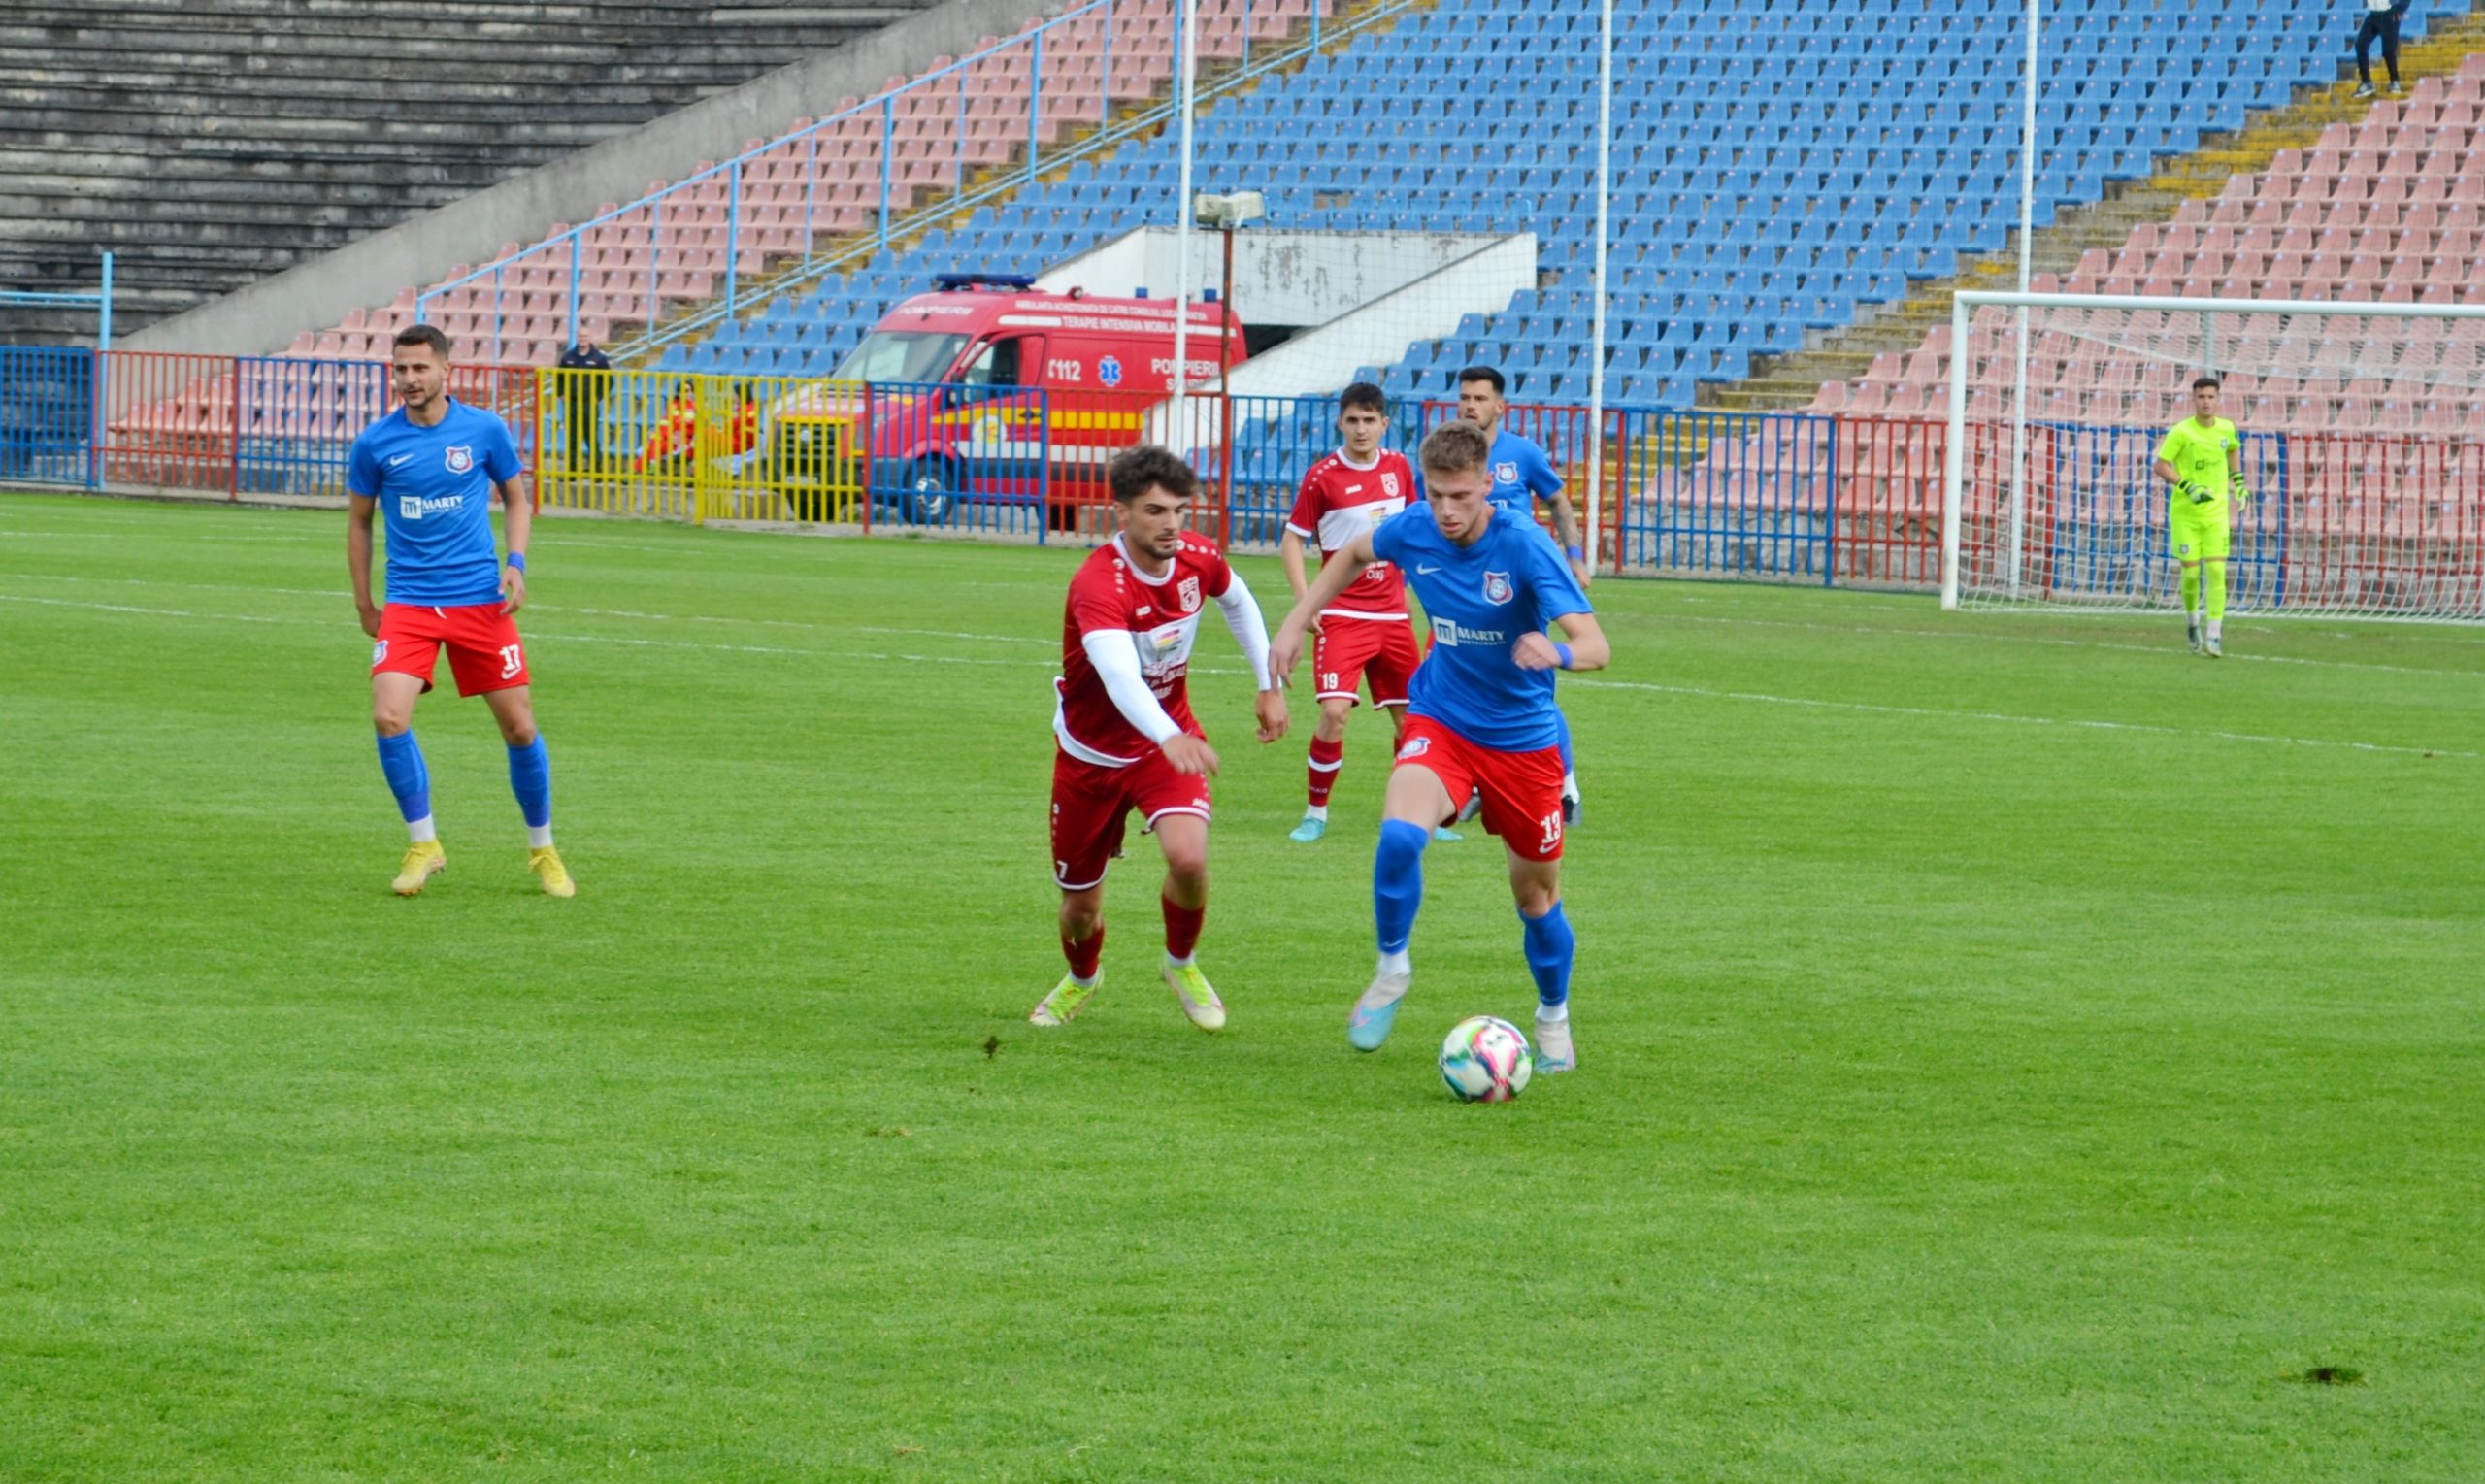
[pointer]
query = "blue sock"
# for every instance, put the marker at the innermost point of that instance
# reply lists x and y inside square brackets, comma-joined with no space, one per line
[530,778]
[1565,743]
[401,762]
[1397,881]
[1550,944]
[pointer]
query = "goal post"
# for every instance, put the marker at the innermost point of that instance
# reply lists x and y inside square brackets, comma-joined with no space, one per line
[2362,428]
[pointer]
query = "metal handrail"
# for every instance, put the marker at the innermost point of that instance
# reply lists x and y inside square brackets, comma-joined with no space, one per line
[1141,123]
[891,225]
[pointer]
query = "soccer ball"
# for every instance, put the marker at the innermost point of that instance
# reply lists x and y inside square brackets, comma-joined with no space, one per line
[1487,1060]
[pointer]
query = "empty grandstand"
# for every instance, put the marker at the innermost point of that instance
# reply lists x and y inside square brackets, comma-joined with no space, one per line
[212,146]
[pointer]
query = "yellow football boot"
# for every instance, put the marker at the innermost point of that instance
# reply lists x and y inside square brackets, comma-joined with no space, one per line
[546,862]
[422,858]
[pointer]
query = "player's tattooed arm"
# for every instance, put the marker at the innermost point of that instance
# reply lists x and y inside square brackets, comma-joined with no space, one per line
[1566,530]
[518,513]
[1285,646]
[358,508]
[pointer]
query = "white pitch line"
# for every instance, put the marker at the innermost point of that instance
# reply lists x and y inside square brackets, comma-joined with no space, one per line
[2008,718]
[2166,651]
[1703,692]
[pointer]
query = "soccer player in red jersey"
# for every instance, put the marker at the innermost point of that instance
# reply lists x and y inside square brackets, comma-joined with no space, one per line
[1124,733]
[1363,636]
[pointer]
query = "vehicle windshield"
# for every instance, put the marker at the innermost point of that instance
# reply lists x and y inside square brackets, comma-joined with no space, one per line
[899,356]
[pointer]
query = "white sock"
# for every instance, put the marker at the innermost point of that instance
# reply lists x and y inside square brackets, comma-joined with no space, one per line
[1319,811]
[2215,626]
[1396,963]
[421,830]
[539,836]
[1185,962]
[1089,981]
[1553,1014]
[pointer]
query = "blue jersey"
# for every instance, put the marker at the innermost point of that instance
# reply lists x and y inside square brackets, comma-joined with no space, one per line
[1480,598]
[1521,475]
[433,485]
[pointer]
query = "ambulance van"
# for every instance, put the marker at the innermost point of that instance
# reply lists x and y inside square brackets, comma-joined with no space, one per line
[990,389]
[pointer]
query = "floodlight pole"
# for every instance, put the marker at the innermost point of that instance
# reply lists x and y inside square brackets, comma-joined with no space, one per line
[1225,310]
[1185,83]
[2027,251]
[1954,451]
[1596,356]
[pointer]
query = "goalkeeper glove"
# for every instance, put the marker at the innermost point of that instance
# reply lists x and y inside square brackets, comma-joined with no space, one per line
[2193,492]
[2234,488]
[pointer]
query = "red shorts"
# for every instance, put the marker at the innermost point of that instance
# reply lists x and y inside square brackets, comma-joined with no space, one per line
[1092,802]
[1522,790]
[483,649]
[1348,647]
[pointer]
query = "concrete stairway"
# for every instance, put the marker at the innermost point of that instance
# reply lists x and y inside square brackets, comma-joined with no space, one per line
[207,147]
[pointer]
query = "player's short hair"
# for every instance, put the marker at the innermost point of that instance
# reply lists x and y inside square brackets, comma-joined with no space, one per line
[1365,395]
[1483,374]
[1455,448]
[2205,380]
[424,335]
[1133,471]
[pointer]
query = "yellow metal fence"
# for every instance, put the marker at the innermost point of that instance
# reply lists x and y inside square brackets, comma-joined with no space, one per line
[701,447]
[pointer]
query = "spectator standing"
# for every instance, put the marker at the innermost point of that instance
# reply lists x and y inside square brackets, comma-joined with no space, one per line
[2381,20]
[589,374]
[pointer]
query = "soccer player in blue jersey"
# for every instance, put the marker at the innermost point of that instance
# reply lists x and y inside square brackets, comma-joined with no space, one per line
[1480,715]
[1522,476]
[432,467]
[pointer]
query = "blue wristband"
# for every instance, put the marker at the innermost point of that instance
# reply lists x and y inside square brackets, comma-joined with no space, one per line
[517,559]
[1575,553]
[1561,654]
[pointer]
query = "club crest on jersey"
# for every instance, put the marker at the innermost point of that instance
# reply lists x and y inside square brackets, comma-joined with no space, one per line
[461,458]
[1390,484]
[1497,587]
[1505,472]
[1187,593]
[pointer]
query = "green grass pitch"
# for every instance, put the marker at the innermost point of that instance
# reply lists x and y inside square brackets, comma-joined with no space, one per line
[2012,1049]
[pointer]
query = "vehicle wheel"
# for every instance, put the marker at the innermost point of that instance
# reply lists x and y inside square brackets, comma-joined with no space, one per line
[931,490]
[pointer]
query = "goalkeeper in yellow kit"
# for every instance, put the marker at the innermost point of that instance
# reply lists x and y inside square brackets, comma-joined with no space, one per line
[2201,462]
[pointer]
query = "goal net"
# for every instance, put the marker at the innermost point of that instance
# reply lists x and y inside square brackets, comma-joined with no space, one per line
[2362,437]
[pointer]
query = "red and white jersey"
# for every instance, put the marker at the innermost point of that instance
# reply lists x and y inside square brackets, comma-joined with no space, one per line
[1161,616]
[1340,501]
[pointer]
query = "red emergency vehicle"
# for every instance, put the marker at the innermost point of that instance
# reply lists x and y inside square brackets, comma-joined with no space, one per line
[988,389]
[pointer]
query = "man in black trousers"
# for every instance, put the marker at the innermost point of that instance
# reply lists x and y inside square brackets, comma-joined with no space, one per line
[2381,20]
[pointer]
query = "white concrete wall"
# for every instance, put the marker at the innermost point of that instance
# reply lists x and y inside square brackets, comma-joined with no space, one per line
[314,295]
[1379,332]
[1371,331]
[1279,278]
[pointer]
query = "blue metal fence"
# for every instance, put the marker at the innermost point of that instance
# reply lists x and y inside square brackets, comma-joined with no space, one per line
[48,415]
[2095,523]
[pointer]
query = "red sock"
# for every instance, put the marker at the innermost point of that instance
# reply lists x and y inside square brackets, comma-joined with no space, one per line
[1182,927]
[1327,757]
[1083,956]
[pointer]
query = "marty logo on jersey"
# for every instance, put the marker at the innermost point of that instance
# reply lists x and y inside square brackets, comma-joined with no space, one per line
[1480,598]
